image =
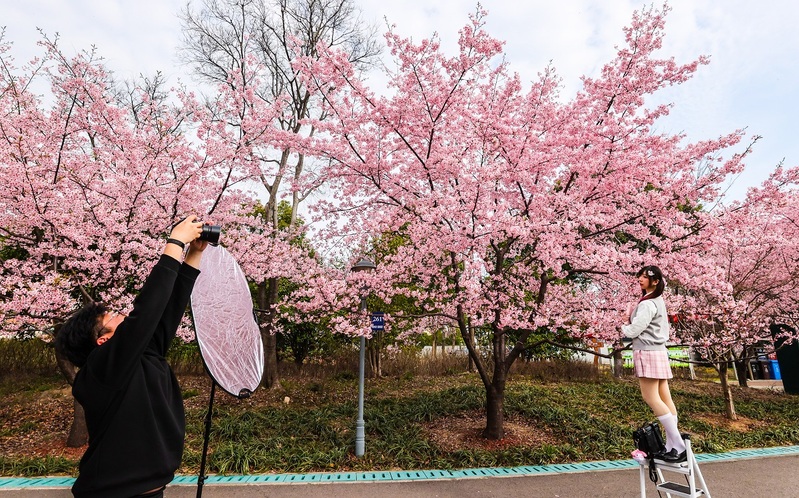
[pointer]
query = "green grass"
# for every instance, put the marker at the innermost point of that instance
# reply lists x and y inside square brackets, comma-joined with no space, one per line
[589,421]
[36,466]
[583,420]
[27,385]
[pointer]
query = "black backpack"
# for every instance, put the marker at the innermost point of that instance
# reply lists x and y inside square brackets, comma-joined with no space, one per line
[649,439]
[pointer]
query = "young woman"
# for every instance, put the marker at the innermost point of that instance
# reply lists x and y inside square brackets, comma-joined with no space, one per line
[648,326]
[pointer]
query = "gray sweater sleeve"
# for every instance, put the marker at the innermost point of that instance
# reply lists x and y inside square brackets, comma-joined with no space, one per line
[649,329]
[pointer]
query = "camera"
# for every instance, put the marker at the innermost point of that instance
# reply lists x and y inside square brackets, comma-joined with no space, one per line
[211,234]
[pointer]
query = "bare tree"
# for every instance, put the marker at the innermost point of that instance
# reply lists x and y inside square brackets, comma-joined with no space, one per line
[222,38]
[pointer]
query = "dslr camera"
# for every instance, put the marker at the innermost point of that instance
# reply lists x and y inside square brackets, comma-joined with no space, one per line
[211,234]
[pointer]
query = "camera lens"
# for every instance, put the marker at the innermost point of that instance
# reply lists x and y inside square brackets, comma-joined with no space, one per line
[211,234]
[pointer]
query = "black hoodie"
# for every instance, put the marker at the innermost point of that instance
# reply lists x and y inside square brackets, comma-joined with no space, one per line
[133,404]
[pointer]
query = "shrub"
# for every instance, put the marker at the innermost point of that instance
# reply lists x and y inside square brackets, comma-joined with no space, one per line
[29,356]
[185,358]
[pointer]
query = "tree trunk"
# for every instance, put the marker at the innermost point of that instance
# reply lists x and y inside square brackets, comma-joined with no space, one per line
[78,431]
[495,418]
[727,391]
[267,298]
[470,338]
[618,361]
[373,347]
[741,367]
[495,391]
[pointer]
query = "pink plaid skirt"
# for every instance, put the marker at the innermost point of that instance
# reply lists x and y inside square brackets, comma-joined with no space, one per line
[652,364]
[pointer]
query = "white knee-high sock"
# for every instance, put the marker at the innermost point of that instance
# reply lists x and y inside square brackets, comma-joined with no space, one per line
[677,423]
[673,437]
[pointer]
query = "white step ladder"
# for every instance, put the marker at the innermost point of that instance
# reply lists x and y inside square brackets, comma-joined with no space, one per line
[695,486]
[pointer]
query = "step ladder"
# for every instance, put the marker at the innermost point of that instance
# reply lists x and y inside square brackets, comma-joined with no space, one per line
[695,486]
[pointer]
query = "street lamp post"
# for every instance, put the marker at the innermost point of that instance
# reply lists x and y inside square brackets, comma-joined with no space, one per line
[364,264]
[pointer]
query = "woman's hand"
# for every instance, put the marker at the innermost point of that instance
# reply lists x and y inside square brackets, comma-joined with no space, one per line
[629,313]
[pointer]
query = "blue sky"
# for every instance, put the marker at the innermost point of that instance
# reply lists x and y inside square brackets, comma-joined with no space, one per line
[751,82]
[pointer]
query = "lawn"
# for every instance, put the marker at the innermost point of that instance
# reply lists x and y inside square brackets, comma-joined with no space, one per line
[412,422]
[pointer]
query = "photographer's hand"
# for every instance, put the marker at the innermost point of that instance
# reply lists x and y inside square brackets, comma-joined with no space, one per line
[183,233]
[195,253]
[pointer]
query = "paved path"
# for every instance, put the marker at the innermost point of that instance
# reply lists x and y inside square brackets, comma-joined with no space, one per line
[766,477]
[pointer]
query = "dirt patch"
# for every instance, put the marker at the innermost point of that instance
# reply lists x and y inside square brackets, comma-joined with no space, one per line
[464,432]
[718,420]
[55,447]
[38,425]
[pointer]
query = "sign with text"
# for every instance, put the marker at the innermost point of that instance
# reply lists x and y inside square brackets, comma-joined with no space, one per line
[378,323]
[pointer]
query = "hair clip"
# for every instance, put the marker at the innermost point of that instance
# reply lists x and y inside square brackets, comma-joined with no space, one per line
[650,273]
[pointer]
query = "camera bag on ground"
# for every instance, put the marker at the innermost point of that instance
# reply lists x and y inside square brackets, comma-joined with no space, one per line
[649,439]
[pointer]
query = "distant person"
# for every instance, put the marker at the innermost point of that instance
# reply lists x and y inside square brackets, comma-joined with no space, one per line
[132,401]
[648,326]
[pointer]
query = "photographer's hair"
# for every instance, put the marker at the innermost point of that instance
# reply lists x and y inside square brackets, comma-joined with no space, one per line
[78,336]
[652,273]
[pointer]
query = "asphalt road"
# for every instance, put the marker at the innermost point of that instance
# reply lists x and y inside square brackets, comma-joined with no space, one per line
[767,477]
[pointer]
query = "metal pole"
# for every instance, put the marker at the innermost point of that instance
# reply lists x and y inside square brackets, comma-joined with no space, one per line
[360,439]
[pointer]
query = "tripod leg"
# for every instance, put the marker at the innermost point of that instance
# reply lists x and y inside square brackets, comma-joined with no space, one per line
[201,477]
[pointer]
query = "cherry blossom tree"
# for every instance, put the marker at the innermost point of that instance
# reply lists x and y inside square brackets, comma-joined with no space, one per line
[95,175]
[779,196]
[91,184]
[524,211]
[88,189]
[244,48]
[756,249]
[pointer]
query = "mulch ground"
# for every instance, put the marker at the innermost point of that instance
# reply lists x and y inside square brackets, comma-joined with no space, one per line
[37,424]
[464,432]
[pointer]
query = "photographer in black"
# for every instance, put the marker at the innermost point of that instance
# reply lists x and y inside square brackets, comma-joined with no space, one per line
[132,401]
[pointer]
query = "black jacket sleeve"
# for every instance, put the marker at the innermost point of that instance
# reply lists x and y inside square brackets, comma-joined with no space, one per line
[113,362]
[175,308]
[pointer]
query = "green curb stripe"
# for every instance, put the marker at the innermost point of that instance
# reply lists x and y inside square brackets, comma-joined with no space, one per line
[410,475]
[35,482]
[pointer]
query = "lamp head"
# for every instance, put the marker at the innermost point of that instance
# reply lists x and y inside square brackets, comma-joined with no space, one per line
[364,264]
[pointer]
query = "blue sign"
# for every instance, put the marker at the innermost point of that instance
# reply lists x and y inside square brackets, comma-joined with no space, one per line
[378,322]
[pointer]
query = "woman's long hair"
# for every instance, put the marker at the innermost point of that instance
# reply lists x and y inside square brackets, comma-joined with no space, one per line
[652,273]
